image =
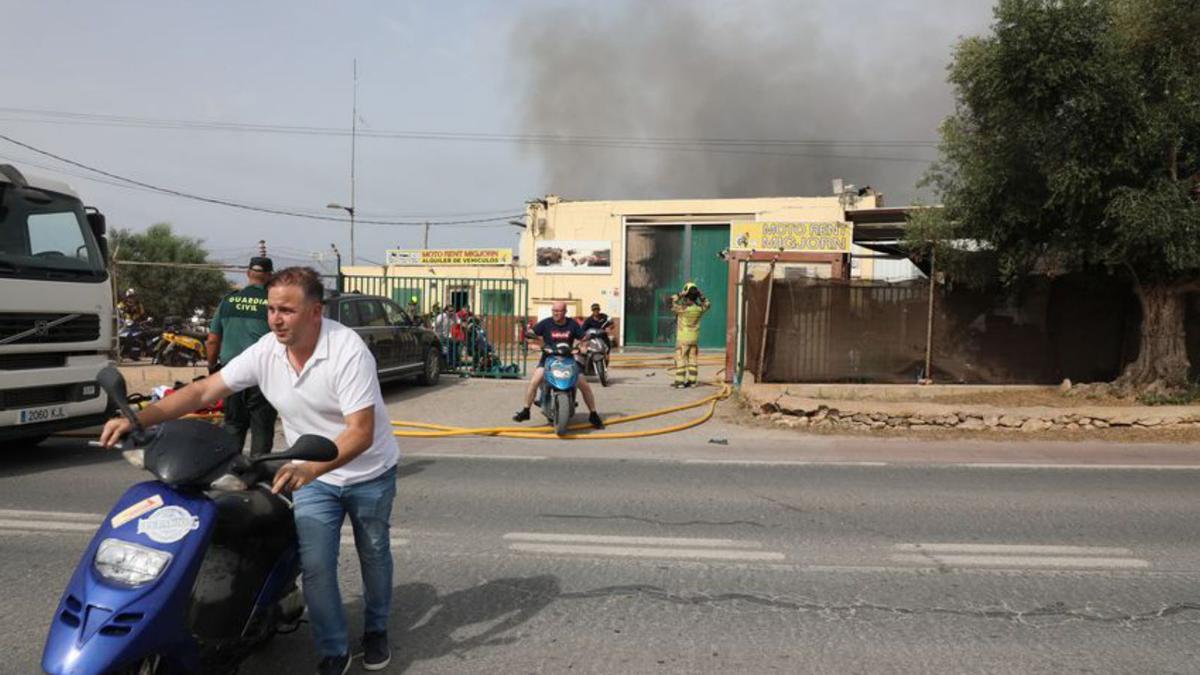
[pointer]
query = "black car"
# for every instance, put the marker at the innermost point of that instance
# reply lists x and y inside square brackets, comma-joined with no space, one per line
[401,345]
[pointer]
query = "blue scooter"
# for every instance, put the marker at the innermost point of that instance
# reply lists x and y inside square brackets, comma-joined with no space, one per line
[190,572]
[557,393]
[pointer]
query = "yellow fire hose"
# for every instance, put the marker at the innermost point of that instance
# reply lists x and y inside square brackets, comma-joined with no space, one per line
[544,432]
[547,432]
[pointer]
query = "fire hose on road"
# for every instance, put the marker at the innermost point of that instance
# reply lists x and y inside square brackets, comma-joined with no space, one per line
[547,432]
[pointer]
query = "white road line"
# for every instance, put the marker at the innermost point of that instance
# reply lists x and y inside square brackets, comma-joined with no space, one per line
[637,541]
[53,515]
[1020,561]
[1014,549]
[768,462]
[46,526]
[680,553]
[451,455]
[1101,467]
[349,541]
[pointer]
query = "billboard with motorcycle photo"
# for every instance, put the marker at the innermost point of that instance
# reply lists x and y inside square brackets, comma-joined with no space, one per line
[564,256]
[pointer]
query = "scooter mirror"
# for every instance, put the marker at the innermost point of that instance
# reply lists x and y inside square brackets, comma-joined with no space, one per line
[113,384]
[308,447]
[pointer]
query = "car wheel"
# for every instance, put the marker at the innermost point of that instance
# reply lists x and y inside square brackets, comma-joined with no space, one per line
[430,370]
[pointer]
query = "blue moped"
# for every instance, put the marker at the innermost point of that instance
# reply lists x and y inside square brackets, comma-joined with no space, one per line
[190,572]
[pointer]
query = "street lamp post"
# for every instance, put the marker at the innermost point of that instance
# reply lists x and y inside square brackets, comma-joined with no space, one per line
[349,210]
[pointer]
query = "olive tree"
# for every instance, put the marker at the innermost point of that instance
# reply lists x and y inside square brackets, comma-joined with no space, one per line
[1075,143]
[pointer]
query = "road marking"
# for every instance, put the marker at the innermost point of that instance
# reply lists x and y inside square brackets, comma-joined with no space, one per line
[1020,561]
[1109,467]
[682,553]
[1014,549]
[1016,555]
[642,541]
[680,548]
[53,515]
[768,462]
[349,541]
[46,526]
[451,455]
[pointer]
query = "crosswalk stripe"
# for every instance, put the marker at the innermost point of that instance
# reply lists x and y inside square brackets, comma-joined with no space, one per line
[781,462]
[622,551]
[642,541]
[349,541]
[1019,561]
[46,526]
[1014,549]
[52,515]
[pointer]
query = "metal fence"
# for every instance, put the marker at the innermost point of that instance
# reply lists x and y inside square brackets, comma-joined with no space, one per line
[483,337]
[1082,327]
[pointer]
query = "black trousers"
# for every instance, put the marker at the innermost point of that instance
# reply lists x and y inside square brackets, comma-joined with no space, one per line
[249,411]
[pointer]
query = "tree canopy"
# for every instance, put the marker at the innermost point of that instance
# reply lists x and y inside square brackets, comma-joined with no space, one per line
[1075,142]
[166,291]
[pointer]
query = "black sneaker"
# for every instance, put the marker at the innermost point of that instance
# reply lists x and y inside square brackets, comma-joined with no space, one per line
[594,418]
[522,415]
[377,654]
[334,665]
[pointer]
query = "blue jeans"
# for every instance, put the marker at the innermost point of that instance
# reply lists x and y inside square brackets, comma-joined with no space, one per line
[320,510]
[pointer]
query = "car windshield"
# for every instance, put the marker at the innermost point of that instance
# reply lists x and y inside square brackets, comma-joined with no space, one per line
[43,234]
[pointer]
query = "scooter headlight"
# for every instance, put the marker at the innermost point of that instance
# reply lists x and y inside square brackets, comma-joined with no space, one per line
[561,373]
[129,564]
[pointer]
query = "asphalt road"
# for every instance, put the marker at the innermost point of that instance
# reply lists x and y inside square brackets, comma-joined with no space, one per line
[615,562]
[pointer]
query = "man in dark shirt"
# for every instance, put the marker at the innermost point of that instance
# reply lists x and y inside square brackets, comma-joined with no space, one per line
[240,320]
[558,329]
[598,320]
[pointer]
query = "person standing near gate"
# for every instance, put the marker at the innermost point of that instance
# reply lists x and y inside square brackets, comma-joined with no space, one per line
[689,307]
[240,320]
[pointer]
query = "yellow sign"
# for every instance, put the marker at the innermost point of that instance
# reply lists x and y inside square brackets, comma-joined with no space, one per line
[830,237]
[450,256]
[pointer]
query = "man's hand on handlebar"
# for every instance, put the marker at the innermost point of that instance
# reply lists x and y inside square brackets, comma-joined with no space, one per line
[293,476]
[114,430]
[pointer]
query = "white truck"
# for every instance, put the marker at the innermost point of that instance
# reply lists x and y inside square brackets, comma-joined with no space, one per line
[56,309]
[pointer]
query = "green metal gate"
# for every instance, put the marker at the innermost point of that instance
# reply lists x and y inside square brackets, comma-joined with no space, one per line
[659,260]
[484,334]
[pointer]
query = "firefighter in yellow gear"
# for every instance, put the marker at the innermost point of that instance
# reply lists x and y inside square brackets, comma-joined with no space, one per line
[689,307]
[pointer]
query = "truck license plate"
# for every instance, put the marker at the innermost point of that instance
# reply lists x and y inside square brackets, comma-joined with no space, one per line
[35,415]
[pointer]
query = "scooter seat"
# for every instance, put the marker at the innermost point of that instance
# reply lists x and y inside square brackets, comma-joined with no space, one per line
[250,512]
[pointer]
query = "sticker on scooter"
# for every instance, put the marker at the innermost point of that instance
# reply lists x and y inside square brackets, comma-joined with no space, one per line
[168,525]
[139,509]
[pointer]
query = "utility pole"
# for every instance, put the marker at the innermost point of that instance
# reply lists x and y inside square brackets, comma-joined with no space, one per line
[262,248]
[426,244]
[338,257]
[353,142]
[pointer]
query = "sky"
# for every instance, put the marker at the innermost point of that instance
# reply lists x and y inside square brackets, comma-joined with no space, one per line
[466,109]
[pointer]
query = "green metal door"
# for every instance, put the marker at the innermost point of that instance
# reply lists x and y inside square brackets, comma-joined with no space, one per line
[654,269]
[711,274]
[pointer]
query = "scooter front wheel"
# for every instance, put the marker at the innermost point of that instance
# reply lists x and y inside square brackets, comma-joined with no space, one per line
[150,665]
[602,372]
[562,412]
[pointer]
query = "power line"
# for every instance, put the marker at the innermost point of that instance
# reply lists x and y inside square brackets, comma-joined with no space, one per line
[248,207]
[742,146]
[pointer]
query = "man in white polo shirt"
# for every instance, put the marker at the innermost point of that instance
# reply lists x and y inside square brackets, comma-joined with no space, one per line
[322,379]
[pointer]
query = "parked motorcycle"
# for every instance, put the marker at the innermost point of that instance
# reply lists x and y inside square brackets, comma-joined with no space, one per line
[136,339]
[188,573]
[596,346]
[178,347]
[556,396]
